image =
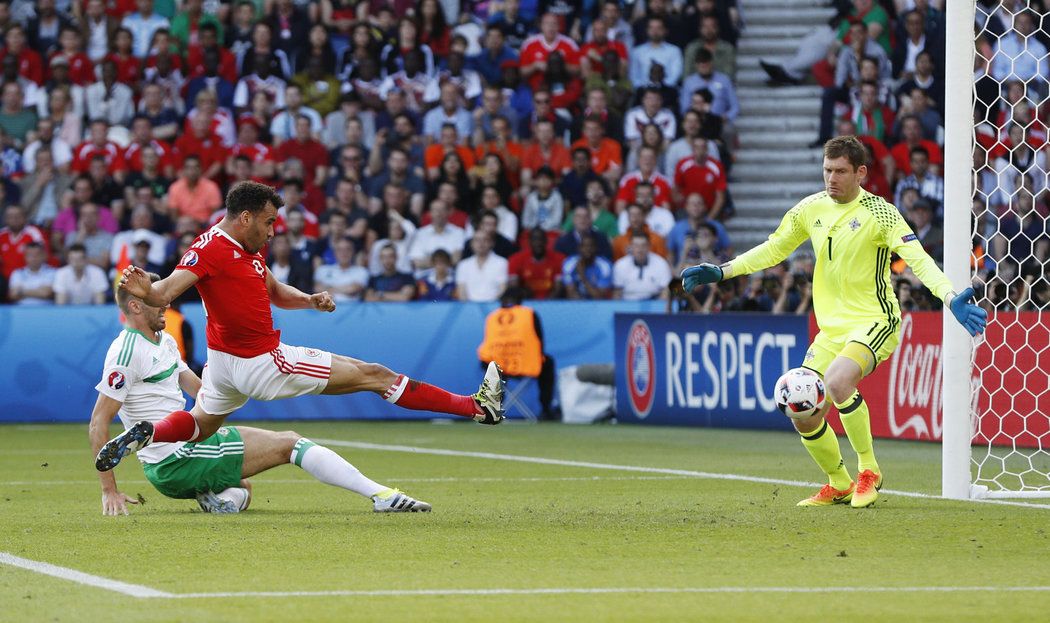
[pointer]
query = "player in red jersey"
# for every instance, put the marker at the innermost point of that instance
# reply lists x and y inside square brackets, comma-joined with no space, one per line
[246,358]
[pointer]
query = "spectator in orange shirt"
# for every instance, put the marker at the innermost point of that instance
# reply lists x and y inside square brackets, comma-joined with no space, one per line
[503,145]
[636,223]
[449,142]
[545,151]
[606,154]
[192,194]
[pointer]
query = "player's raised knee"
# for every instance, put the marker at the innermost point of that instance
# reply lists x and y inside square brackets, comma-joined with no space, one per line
[840,387]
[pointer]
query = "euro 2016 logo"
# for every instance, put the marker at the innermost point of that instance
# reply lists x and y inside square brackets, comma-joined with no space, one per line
[115,380]
[190,259]
[641,368]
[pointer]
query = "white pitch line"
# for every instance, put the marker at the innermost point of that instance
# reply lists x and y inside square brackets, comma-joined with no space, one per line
[65,573]
[487,592]
[145,592]
[297,481]
[634,468]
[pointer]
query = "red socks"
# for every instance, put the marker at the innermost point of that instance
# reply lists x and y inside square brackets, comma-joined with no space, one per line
[177,426]
[420,396]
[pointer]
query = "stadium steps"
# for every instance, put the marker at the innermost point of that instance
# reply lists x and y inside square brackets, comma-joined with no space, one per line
[774,167]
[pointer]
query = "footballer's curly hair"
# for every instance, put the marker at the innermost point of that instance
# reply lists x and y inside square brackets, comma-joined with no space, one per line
[849,147]
[251,197]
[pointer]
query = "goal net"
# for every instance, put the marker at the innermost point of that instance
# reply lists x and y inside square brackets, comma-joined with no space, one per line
[999,140]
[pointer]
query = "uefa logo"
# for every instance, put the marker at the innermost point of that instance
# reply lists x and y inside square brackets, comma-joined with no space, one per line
[641,369]
[190,259]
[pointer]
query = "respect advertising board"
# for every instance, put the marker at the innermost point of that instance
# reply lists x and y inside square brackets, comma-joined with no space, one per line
[705,370]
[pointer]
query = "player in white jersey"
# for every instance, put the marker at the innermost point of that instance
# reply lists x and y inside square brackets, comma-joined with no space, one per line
[144,379]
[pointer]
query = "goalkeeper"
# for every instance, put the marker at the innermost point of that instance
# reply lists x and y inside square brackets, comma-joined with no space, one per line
[853,233]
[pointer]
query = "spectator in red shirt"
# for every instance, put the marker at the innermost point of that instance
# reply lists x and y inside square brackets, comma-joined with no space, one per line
[203,144]
[208,39]
[81,70]
[591,53]
[99,144]
[14,237]
[565,89]
[129,67]
[537,49]
[141,137]
[537,269]
[911,137]
[260,156]
[703,175]
[311,153]
[30,65]
[646,172]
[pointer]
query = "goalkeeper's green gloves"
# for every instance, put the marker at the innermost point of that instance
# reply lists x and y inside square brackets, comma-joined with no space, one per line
[700,274]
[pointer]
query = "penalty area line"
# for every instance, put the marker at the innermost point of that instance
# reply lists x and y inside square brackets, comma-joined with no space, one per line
[360,445]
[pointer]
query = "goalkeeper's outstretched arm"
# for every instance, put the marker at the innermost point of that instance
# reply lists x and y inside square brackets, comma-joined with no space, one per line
[773,251]
[902,241]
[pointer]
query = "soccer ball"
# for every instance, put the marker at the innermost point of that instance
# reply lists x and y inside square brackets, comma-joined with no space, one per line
[799,393]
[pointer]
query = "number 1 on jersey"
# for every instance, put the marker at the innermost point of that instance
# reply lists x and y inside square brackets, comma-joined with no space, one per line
[829,248]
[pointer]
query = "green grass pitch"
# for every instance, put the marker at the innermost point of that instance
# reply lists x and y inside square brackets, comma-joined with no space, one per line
[500,524]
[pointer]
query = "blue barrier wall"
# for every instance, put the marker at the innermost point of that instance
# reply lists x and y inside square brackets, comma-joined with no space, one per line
[51,358]
[716,370]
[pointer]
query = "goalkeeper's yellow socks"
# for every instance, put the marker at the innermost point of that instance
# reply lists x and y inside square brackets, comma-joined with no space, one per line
[823,446]
[857,422]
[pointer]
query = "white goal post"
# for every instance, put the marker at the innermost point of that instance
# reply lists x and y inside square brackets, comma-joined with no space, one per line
[996,401]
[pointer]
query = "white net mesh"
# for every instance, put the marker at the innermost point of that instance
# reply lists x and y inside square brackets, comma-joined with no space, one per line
[1010,447]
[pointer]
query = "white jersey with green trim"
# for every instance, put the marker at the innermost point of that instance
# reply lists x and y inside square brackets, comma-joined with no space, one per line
[143,375]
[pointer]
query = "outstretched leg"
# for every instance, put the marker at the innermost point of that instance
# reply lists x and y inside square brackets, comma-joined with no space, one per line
[264,449]
[353,375]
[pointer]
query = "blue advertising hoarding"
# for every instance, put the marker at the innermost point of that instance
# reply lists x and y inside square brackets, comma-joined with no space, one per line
[705,370]
[51,357]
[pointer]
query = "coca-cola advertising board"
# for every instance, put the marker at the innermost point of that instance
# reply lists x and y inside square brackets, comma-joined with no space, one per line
[1010,375]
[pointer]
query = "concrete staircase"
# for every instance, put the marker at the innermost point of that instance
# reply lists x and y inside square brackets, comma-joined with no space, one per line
[774,166]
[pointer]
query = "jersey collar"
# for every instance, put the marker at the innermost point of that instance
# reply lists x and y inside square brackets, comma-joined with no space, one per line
[225,235]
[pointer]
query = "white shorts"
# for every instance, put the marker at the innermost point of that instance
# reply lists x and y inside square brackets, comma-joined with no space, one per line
[285,372]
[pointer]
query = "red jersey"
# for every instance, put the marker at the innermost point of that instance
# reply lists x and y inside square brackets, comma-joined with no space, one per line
[232,284]
[81,71]
[29,65]
[901,153]
[87,150]
[600,49]
[133,155]
[227,63]
[706,179]
[536,48]
[310,152]
[210,150]
[539,276]
[129,69]
[256,152]
[13,248]
[661,188]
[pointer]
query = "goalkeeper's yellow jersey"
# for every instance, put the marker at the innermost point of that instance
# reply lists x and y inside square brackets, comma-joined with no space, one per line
[853,243]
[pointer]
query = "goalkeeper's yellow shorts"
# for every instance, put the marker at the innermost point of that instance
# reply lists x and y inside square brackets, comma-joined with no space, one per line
[868,346]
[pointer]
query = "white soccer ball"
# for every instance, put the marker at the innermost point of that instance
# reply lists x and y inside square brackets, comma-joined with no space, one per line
[799,393]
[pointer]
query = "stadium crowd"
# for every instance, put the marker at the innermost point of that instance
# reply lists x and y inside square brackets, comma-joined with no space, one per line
[447,149]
